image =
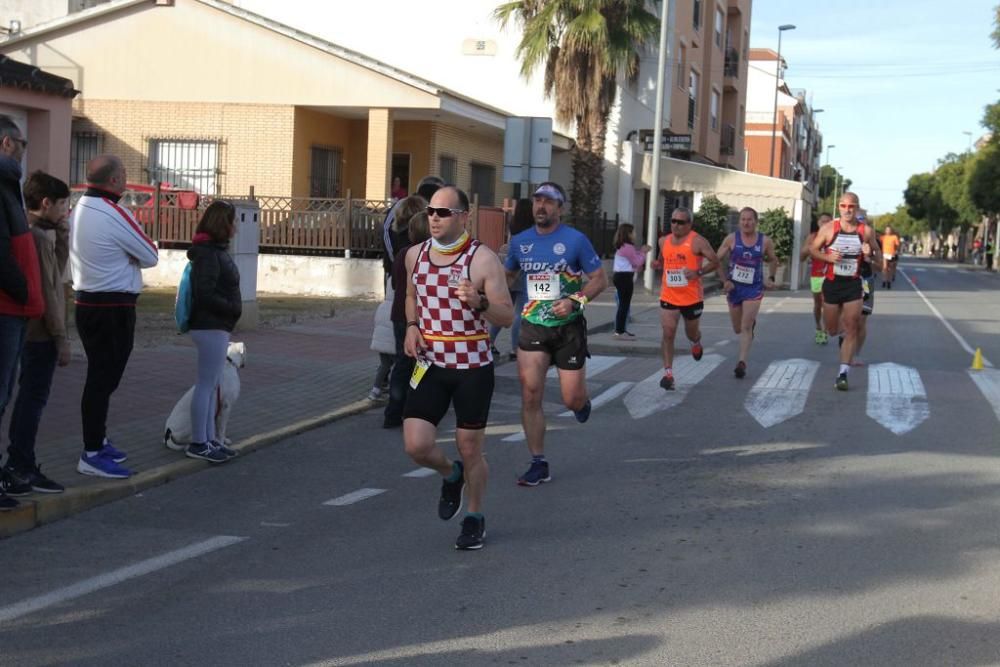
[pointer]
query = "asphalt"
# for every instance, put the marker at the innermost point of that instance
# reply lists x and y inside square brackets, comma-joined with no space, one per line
[297,378]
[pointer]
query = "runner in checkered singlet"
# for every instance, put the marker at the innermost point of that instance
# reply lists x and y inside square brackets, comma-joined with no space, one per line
[456,287]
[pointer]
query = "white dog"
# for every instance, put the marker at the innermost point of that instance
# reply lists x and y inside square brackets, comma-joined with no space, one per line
[177,433]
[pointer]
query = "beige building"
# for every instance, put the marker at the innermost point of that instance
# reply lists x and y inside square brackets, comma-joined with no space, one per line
[204,95]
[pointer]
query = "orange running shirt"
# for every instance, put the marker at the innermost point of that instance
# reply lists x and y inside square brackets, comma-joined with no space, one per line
[678,290]
[890,245]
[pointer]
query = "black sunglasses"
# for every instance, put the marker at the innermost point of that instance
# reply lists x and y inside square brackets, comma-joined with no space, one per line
[443,212]
[674,221]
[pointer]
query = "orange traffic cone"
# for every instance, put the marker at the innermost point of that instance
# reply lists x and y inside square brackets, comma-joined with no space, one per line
[977,360]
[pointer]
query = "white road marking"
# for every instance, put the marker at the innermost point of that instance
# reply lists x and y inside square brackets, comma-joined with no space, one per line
[274,524]
[918,270]
[421,472]
[647,397]
[896,397]
[606,396]
[777,305]
[988,381]
[782,391]
[724,341]
[594,366]
[115,577]
[515,437]
[354,497]
[961,341]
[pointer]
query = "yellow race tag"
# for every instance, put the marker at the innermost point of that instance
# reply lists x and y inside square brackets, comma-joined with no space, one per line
[419,369]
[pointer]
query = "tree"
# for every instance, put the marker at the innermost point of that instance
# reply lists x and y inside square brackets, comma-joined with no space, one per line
[902,223]
[585,45]
[712,220]
[952,182]
[924,202]
[826,189]
[780,228]
[996,28]
[983,177]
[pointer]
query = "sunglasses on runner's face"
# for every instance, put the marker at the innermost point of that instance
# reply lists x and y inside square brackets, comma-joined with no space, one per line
[675,221]
[443,212]
[848,205]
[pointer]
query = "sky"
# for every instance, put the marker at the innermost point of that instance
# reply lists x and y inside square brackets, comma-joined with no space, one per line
[899,81]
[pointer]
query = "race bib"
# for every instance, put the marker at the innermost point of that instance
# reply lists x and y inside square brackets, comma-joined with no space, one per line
[419,370]
[676,278]
[543,286]
[846,267]
[743,274]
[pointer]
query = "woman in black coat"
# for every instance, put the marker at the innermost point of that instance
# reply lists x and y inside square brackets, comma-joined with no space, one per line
[216,306]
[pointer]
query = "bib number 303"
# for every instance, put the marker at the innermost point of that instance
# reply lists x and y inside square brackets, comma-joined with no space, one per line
[676,278]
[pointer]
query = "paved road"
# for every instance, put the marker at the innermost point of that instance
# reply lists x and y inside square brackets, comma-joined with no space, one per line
[678,530]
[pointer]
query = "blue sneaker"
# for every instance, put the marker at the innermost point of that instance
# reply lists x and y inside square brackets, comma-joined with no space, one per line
[205,451]
[101,465]
[583,414]
[537,473]
[228,451]
[115,454]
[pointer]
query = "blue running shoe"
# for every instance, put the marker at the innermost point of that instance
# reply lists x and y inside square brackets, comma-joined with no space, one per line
[583,414]
[101,465]
[537,473]
[205,451]
[115,454]
[225,449]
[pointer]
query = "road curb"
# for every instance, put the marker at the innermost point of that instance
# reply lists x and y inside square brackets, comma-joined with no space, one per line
[38,511]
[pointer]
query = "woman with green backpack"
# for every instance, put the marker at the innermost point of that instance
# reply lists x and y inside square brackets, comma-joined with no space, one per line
[216,306]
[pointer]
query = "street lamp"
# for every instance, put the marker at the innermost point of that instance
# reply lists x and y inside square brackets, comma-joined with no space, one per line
[777,85]
[830,146]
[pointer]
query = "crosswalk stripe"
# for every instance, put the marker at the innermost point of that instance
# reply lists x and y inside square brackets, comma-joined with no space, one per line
[606,396]
[988,381]
[596,365]
[781,391]
[896,397]
[647,397]
[353,497]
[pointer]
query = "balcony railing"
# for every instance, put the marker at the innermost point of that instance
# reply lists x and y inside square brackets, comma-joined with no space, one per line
[731,66]
[692,109]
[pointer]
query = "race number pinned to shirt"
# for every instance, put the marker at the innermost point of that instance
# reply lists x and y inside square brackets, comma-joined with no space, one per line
[543,286]
[676,278]
[743,274]
[846,267]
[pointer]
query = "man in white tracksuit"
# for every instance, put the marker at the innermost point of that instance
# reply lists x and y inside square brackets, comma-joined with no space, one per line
[108,249]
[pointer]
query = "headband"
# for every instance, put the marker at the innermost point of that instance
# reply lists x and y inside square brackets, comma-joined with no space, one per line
[550,192]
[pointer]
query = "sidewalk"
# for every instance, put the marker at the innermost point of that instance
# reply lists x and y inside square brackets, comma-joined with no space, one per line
[296,378]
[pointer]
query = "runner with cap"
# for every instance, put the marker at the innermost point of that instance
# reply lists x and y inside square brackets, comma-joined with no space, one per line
[554,259]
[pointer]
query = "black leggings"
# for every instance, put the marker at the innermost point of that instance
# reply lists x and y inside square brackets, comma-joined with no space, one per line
[624,282]
[107,334]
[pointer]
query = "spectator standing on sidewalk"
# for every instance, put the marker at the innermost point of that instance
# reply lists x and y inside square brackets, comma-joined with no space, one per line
[46,344]
[403,366]
[107,253]
[394,234]
[384,344]
[20,279]
[522,219]
[628,260]
[216,306]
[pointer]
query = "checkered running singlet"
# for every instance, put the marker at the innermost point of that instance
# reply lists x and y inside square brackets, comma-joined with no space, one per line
[456,335]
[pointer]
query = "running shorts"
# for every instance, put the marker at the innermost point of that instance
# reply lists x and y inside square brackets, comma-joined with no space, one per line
[741,293]
[565,344]
[470,389]
[842,291]
[691,312]
[868,295]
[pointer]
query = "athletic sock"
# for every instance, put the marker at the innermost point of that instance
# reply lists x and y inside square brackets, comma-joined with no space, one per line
[538,458]
[668,371]
[844,368]
[456,472]
[478,515]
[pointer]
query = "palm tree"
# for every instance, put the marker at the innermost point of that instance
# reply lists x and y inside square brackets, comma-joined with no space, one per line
[585,46]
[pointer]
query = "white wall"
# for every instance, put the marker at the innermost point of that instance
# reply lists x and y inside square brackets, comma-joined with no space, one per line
[289,274]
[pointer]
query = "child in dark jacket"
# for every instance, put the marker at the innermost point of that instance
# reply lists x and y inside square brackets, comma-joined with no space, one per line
[216,306]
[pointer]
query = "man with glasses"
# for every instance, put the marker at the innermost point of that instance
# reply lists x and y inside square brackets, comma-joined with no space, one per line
[457,288]
[20,277]
[554,259]
[845,245]
[683,255]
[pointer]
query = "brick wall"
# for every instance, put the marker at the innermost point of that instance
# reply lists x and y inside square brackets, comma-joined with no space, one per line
[255,148]
[467,148]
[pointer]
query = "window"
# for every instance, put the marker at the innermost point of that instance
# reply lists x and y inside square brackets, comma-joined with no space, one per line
[449,169]
[82,148]
[324,172]
[79,5]
[692,98]
[185,163]
[714,110]
[697,15]
[484,178]
[719,20]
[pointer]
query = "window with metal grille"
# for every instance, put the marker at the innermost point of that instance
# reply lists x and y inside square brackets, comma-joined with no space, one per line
[324,172]
[697,15]
[484,178]
[449,169]
[719,19]
[83,147]
[714,110]
[185,163]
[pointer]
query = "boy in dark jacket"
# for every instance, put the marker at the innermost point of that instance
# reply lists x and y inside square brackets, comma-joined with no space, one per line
[20,289]
[46,344]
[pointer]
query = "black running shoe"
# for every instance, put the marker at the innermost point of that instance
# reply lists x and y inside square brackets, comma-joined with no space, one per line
[841,383]
[451,495]
[667,381]
[473,533]
[38,482]
[583,414]
[12,484]
[741,370]
[538,472]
